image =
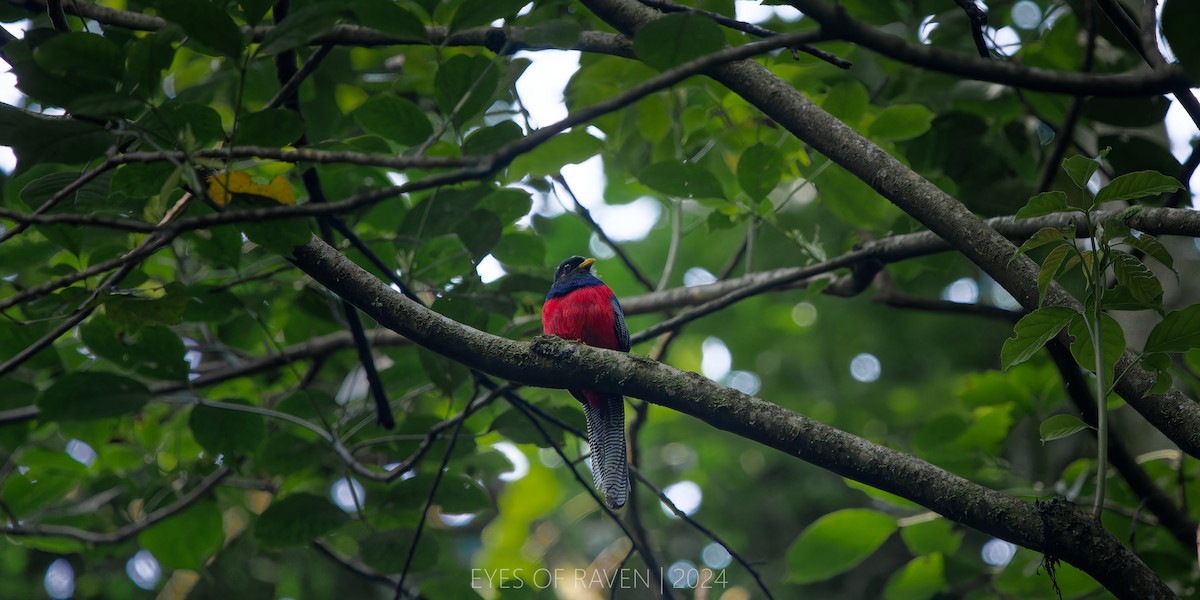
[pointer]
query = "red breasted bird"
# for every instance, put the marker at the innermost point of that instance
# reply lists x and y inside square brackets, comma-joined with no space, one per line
[580,307]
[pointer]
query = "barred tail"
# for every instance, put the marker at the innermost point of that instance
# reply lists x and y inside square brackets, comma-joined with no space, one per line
[606,437]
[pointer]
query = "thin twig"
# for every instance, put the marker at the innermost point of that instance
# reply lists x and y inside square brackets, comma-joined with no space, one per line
[651,564]
[58,18]
[586,215]
[750,28]
[437,479]
[129,530]
[1065,134]
[979,20]
[662,496]
[288,89]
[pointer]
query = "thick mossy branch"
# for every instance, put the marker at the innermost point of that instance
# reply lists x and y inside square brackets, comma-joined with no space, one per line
[551,362]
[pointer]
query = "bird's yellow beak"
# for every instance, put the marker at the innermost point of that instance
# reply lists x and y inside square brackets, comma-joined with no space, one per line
[586,263]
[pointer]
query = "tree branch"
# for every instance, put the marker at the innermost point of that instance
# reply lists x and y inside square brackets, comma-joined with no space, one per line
[129,530]
[1173,413]
[550,362]
[1134,83]
[1176,522]
[750,28]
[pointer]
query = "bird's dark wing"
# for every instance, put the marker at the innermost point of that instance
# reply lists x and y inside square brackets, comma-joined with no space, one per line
[619,323]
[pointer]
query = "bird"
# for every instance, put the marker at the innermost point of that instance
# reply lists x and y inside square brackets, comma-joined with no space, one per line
[580,307]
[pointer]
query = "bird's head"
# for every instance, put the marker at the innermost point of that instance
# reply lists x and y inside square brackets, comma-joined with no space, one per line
[573,273]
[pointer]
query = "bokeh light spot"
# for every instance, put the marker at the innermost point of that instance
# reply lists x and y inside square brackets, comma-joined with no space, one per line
[685,495]
[998,553]
[518,459]
[804,314]
[865,368]
[81,452]
[696,276]
[962,291]
[348,495]
[59,580]
[716,360]
[716,556]
[143,570]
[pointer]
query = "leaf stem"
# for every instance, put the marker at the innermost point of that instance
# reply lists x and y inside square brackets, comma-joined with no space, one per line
[1099,257]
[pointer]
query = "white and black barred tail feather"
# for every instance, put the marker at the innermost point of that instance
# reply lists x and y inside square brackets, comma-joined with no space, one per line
[606,437]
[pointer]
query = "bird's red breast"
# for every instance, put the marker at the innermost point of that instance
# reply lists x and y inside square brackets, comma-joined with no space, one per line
[584,314]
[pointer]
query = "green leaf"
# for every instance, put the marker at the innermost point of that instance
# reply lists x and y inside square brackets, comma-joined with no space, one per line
[206,23]
[564,149]
[479,231]
[280,236]
[1127,112]
[164,308]
[174,121]
[297,520]
[272,127]
[1153,248]
[394,118]
[836,542]
[153,351]
[95,193]
[556,33]
[509,204]
[1049,269]
[1135,275]
[299,27]
[900,122]
[681,180]
[1179,331]
[186,540]
[923,577]
[465,85]
[854,202]
[1060,426]
[79,54]
[474,13]
[225,429]
[1045,235]
[1032,332]
[389,17]
[677,38]
[1044,203]
[446,374]
[1081,168]
[847,101]
[521,249]
[1178,27]
[1138,185]
[460,494]
[486,140]
[92,395]
[66,141]
[880,495]
[387,551]
[938,535]
[254,10]
[759,170]
[1112,344]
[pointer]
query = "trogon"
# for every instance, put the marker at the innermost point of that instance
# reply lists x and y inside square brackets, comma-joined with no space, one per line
[580,307]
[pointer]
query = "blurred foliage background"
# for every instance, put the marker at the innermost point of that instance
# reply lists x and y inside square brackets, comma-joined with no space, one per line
[214,365]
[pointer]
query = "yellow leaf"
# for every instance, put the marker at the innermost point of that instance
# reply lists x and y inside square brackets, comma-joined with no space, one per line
[222,185]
